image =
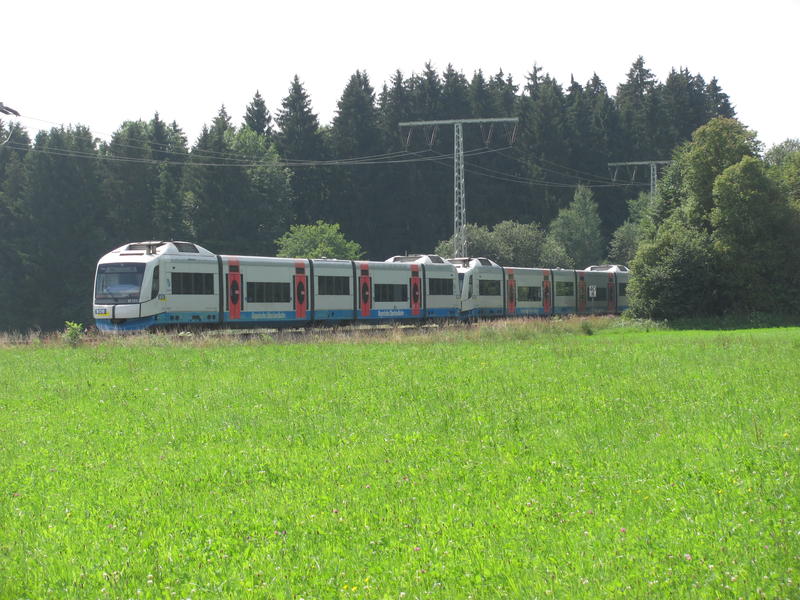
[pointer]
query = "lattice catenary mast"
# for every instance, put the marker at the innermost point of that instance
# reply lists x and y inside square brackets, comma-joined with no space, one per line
[459,192]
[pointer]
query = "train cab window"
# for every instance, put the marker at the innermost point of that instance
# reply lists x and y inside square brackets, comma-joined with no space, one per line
[531,293]
[440,287]
[391,292]
[333,285]
[489,287]
[623,289]
[186,247]
[600,293]
[154,287]
[565,288]
[119,283]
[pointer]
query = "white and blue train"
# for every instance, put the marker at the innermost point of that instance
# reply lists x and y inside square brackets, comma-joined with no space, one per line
[153,285]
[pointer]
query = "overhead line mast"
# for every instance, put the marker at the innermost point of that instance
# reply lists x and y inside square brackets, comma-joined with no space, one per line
[459,191]
[653,164]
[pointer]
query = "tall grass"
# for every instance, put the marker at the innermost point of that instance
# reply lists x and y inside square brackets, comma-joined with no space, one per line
[523,459]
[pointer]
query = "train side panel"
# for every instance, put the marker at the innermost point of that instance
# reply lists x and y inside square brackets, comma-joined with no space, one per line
[528,286]
[264,291]
[441,288]
[333,291]
[564,292]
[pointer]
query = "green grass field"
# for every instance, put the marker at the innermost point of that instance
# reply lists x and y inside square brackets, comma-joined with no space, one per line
[520,461]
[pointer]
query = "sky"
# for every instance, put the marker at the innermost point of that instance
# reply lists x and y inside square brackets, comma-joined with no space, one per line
[100,63]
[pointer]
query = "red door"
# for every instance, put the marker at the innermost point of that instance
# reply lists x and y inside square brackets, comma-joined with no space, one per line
[612,297]
[234,290]
[511,293]
[416,295]
[365,291]
[581,293]
[300,291]
[547,301]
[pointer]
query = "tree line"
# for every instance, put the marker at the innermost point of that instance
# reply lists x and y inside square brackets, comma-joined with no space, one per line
[66,197]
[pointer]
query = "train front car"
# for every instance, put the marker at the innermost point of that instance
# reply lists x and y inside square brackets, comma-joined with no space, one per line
[132,287]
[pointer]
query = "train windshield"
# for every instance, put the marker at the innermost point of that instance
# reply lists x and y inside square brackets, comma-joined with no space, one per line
[118,283]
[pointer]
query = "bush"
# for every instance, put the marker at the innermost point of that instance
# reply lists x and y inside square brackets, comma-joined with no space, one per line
[73,333]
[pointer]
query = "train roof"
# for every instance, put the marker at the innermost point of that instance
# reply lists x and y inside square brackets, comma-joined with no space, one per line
[159,248]
[417,258]
[467,262]
[608,268]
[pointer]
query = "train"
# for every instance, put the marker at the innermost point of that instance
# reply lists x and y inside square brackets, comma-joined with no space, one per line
[173,284]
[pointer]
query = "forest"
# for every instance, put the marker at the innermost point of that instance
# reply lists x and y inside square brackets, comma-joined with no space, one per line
[67,197]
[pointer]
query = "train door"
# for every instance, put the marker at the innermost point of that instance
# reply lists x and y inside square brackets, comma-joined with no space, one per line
[547,293]
[511,293]
[612,296]
[234,290]
[300,290]
[581,293]
[365,290]
[416,290]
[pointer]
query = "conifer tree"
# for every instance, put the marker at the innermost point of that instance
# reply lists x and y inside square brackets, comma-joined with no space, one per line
[168,146]
[129,182]
[639,113]
[64,218]
[355,197]
[299,138]
[257,116]
[577,228]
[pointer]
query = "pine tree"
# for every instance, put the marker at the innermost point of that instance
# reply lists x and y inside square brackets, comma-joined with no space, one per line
[683,97]
[481,99]
[542,145]
[577,228]
[717,102]
[504,91]
[168,146]
[299,138]
[639,113]
[129,182]
[65,224]
[257,116]
[355,198]
[244,202]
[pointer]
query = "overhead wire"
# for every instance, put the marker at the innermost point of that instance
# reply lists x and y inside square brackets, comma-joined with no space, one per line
[230,159]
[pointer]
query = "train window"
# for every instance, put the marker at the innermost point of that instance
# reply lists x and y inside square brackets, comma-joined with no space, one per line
[440,287]
[119,283]
[565,288]
[531,293]
[600,293]
[268,291]
[154,288]
[391,292]
[623,289]
[489,287]
[328,285]
[201,284]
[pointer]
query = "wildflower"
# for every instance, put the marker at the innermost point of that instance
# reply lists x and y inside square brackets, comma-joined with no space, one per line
[687,556]
[417,548]
[623,530]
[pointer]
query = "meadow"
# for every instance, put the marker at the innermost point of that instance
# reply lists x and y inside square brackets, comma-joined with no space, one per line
[522,460]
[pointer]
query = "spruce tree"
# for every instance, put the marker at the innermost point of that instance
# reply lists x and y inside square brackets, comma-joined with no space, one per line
[355,196]
[257,116]
[65,220]
[639,113]
[299,138]
[577,228]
